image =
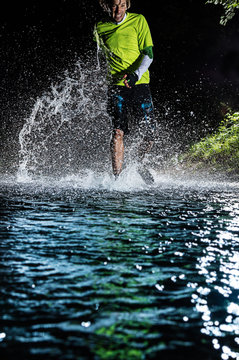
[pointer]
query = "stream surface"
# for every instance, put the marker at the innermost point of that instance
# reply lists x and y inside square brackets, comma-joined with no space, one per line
[96,269]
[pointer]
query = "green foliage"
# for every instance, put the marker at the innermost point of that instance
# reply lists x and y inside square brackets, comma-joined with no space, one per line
[229,9]
[221,149]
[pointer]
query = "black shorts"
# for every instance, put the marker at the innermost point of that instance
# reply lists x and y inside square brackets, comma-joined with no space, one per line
[135,104]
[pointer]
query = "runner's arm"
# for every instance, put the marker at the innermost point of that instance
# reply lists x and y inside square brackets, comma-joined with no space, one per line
[147,60]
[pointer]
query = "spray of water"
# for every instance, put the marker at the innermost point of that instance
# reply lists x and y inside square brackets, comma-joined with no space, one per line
[67,136]
[68,128]
[68,131]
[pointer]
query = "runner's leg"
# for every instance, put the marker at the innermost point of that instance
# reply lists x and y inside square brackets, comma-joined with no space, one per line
[117,151]
[117,108]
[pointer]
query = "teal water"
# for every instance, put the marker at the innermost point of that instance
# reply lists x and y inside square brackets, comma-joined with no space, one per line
[96,269]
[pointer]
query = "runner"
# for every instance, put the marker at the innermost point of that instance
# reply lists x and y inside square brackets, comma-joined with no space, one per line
[127,43]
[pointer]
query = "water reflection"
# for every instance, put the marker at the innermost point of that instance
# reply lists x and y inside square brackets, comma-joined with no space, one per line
[219,265]
[96,274]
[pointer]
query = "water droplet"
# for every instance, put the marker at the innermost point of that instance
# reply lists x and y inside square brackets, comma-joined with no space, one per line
[159,287]
[2,336]
[86,324]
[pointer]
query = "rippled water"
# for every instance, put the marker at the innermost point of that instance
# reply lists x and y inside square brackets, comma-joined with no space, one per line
[92,269]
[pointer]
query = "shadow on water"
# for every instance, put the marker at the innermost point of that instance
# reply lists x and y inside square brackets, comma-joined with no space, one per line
[94,269]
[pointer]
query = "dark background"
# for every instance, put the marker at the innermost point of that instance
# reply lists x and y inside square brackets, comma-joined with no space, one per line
[196,64]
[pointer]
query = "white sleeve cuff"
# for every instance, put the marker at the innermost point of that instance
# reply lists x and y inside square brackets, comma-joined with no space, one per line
[145,64]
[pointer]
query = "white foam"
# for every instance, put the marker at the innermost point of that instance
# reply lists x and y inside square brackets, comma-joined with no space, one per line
[129,180]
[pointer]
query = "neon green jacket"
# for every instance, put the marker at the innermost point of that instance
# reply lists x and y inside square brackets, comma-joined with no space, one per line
[123,45]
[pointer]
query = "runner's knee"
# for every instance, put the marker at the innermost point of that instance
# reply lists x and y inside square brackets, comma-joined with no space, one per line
[118,134]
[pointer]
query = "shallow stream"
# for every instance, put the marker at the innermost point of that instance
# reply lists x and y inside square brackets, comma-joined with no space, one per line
[93,268]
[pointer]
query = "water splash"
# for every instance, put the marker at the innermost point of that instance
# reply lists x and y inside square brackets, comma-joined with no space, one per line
[67,126]
[67,136]
[129,180]
[68,133]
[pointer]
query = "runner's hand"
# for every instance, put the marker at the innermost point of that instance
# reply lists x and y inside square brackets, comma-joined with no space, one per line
[130,80]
